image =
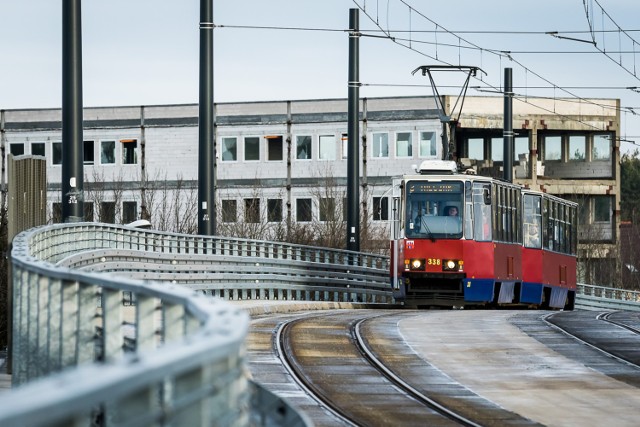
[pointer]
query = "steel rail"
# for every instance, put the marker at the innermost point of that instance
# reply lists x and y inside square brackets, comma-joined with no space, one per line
[402,384]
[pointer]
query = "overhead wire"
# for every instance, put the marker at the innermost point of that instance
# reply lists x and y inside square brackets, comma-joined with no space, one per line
[500,54]
[619,30]
[439,29]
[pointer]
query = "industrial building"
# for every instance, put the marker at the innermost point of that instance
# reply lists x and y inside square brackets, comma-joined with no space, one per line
[284,162]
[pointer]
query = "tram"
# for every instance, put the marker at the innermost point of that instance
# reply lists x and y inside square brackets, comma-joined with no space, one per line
[466,240]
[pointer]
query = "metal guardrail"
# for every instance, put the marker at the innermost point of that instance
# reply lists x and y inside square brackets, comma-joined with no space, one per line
[234,269]
[591,297]
[185,359]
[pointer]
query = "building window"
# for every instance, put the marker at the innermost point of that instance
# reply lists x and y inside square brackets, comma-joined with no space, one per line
[251,148]
[56,212]
[229,149]
[16,149]
[602,209]
[521,148]
[274,148]
[107,152]
[56,153]
[37,148]
[274,210]
[328,209]
[404,146]
[428,144]
[380,208]
[87,153]
[327,147]
[475,148]
[107,212]
[303,147]
[229,211]
[252,210]
[129,151]
[380,145]
[497,149]
[552,148]
[303,210]
[129,212]
[601,147]
[577,147]
[88,211]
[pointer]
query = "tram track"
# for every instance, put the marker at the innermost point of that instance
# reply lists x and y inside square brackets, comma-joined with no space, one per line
[331,357]
[371,357]
[621,343]
[341,367]
[299,378]
[378,400]
[607,317]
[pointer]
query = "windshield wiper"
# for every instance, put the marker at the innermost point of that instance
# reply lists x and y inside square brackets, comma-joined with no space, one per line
[423,223]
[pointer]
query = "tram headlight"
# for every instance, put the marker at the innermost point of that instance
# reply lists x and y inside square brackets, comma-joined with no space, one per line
[451,265]
[416,264]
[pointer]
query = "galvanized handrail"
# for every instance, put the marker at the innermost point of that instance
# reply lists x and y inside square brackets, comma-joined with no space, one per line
[591,297]
[184,364]
[227,267]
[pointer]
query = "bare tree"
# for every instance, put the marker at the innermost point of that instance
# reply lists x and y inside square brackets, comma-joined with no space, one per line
[170,206]
[253,222]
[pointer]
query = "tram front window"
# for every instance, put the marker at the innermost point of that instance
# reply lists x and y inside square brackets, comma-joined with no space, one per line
[434,209]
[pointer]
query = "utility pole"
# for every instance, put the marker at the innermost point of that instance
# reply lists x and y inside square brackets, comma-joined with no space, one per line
[353,135]
[206,152]
[507,164]
[72,140]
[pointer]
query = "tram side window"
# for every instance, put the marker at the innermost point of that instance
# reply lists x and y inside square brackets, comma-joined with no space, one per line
[551,227]
[555,226]
[482,212]
[497,219]
[516,215]
[468,211]
[574,229]
[511,232]
[532,221]
[561,229]
[506,215]
[545,225]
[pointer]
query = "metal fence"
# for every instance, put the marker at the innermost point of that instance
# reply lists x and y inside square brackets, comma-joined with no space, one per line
[234,269]
[82,357]
[590,297]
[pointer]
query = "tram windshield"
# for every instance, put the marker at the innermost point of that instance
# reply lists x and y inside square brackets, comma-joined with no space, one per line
[434,209]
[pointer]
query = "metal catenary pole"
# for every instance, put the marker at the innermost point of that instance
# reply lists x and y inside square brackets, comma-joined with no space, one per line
[507,172]
[206,162]
[353,175]
[72,140]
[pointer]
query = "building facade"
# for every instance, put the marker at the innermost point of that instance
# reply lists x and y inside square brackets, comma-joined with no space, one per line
[283,163]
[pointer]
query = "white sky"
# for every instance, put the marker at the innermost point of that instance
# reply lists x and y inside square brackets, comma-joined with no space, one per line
[144,52]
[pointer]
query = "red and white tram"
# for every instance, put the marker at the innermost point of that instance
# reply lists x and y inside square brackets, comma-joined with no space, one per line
[462,240]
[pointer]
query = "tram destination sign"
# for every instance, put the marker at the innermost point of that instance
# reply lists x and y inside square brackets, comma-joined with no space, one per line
[434,187]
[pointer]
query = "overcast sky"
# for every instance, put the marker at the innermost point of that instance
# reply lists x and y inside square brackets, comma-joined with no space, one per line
[145,52]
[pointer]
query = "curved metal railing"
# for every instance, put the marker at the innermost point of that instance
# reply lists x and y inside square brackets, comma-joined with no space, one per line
[235,269]
[175,357]
[590,297]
